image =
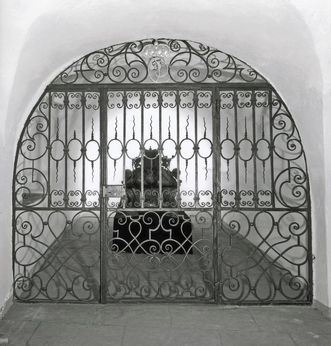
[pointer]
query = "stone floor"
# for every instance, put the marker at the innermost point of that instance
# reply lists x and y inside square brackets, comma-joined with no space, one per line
[163,324]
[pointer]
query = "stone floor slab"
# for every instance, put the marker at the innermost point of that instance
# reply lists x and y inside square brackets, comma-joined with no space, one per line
[279,313]
[290,319]
[73,334]
[212,317]
[164,325]
[145,336]
[310,339]
[18,332]
[262,338]
[134,315]
[72,313]
[23,312]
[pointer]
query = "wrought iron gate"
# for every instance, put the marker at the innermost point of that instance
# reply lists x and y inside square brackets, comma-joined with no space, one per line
[128,187]
[160,235]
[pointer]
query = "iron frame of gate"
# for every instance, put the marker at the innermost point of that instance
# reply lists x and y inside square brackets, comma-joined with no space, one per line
[215,181]
[215,88]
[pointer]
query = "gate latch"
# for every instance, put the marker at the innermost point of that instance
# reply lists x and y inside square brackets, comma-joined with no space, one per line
[113,191]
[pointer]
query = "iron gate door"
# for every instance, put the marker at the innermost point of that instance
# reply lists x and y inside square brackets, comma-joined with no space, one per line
[158,195]
[57,210]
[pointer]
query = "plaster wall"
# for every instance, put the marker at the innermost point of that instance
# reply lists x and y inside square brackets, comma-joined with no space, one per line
[284,40]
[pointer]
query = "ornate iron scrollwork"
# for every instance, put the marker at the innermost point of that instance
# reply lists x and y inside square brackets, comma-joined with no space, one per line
[217,202]
[158,61]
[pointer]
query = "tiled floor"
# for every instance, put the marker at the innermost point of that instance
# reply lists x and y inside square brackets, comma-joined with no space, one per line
[164,324]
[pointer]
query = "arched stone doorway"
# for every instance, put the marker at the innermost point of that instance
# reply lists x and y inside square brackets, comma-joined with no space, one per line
[161,170]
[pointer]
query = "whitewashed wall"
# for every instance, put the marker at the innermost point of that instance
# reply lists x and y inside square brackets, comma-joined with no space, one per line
[287,41]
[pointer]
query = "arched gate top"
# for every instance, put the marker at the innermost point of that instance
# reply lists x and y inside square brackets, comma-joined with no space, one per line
[158,61]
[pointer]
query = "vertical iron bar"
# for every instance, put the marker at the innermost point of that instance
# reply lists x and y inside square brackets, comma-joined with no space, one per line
[66,197]
[235,101]
[216,128]
[142,150]
[309,240]
[253,99]
[124,144]
[49,149]
[178,148]
[271,148]
[84,152]
[160,149]
[103,199]
[196,190]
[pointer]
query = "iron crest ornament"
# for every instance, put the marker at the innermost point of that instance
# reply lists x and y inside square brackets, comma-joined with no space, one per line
[158,63]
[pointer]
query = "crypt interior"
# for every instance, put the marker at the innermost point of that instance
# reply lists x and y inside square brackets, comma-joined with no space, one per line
[162,175]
